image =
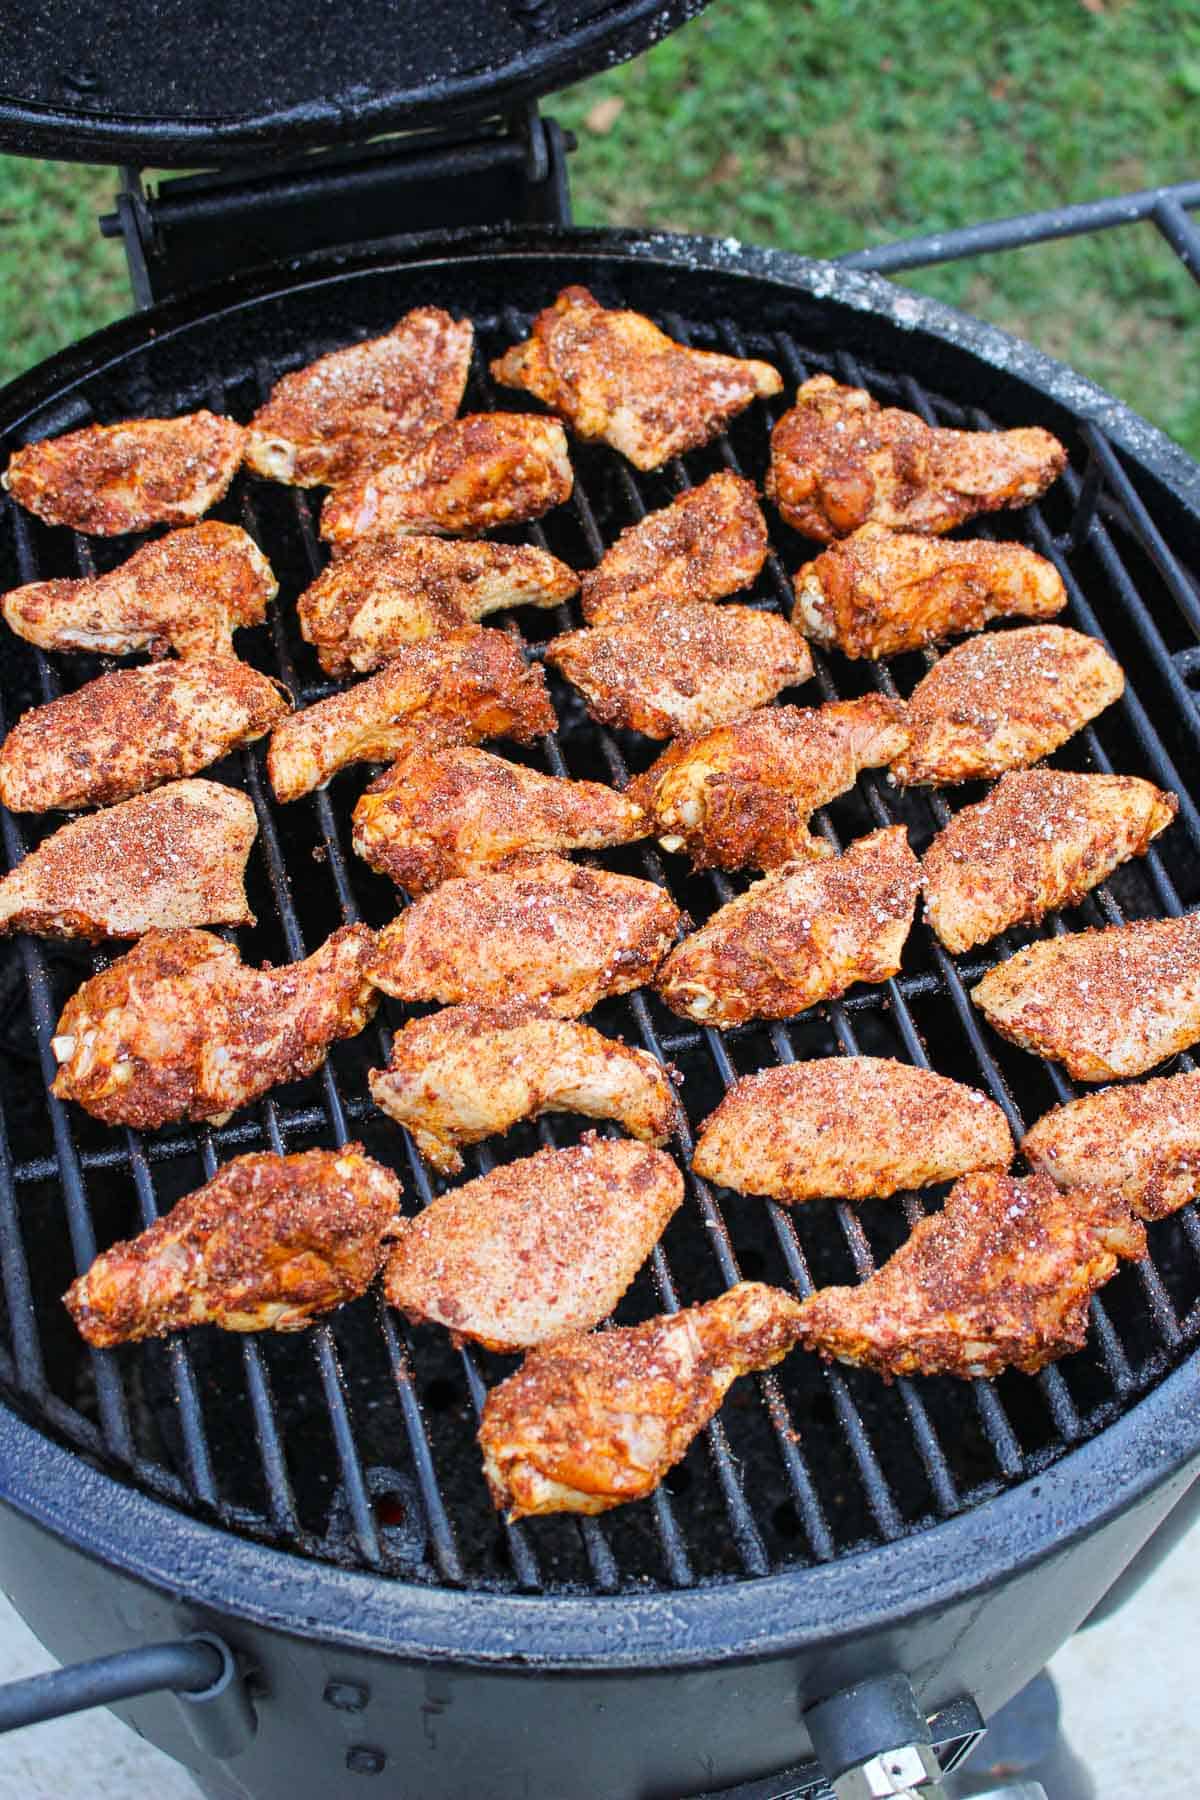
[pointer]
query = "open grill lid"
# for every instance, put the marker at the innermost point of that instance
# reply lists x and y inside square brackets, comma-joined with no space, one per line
[171,84]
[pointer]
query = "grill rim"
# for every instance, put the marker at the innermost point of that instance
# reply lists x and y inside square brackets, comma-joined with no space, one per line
[737,1621]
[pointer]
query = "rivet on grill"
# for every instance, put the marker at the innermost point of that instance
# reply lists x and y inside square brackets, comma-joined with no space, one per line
[363,1760]
[346,1696]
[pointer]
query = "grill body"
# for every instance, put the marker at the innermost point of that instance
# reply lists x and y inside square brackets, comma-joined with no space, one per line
[321,1503]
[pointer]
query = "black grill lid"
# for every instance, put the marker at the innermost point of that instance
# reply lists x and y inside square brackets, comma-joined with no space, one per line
[172,83]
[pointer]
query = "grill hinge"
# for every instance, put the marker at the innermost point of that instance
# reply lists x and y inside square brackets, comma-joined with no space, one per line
[197,228]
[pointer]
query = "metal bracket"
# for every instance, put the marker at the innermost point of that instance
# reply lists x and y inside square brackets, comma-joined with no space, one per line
[198,228]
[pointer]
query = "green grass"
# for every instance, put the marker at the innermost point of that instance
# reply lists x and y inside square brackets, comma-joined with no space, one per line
[822,125]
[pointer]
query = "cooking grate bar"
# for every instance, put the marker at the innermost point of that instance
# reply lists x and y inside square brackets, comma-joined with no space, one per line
[30,1370]
[1179,230]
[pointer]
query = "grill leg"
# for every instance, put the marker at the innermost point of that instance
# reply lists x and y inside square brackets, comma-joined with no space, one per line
[1025,1742]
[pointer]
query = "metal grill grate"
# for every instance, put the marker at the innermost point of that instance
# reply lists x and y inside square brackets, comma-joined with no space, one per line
[354,1442]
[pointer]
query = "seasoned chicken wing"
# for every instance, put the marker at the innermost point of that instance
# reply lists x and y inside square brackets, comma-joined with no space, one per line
[839,460]
[547,930]
[709,542]
[804,933]
[134,729]
[1103,1003]
[109,479]
[474,679]
[880,592]
[683,667]
[742,796]
[1041,839]
[849,1127]
[266,1245]
[480,471]
[591,1422]
[614,375]
[1000,1278]
[158,862]
[363,405]
[188,592]
[1141,1141]
[1004,700]
[470,1072]
[180,1028]
[389,592]
[538,1247]
[460,811]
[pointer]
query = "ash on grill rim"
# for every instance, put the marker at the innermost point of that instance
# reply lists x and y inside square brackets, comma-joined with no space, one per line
[838,1463]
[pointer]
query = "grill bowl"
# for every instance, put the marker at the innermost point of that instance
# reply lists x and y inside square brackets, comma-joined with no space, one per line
[328,1488]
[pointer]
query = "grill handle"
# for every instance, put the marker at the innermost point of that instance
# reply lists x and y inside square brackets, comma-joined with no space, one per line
[199,1670]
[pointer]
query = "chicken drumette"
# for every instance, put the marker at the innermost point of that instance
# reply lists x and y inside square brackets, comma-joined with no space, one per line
[804,933]
[1040,840]
[363,405]
[266,1245]
[460,811]
[537,1248]
[389,592]
[134,729]
[160,861]
[180,1028]
[474,682]
[188,592]
[1000,1278]
[1004,700]
[1103,1003]
[614,375]
[709,542]
[839,460]
[849,1127]
[480,471]
[881,592]
[681,667]
[591,1422]
[109,479]
[469,1072]
[742,796]
[547,930]
[1141,1141]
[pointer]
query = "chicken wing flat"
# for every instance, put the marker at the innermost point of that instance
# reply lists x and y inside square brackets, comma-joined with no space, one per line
[999,1279]
[470,1072]
[536,1248]
[742,796]
[806,932]
[363,405]
[614,375]
[158,862]
[1003,701]
[461,811]
[839,460]
[109,479]
[593,1421]
[1140,1141]
[547,930]
[480,471]
[187,592]
[389,592]
[682,668]
[266,1245]
[179,1028]
[134,729]
[881,592]
[709,542]
[1041,839]
[1105,1004]
[849,1128]
[475,680]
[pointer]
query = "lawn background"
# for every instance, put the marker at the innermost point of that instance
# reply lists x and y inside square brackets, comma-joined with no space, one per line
[821,127]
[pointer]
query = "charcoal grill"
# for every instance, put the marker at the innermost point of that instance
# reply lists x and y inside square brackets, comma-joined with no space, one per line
[311,1509]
